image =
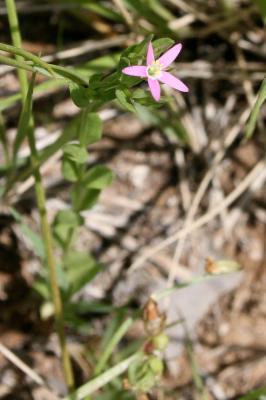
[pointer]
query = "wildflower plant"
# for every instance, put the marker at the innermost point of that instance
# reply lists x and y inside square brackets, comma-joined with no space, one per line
[63,277]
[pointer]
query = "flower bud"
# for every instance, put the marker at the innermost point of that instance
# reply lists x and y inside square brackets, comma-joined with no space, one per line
[156,365]
[160,342]
[221,267]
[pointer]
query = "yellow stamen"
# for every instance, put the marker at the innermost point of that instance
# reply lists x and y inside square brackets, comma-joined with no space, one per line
[155,69]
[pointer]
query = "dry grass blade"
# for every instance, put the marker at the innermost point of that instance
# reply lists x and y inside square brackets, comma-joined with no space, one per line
[206,218]
[233,133]
[21,365]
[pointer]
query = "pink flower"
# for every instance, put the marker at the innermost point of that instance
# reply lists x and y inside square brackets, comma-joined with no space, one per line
[156,72]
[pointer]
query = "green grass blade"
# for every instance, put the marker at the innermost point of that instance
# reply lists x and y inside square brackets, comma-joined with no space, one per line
[169,291]
[255,111]
[115,339]
[103,379]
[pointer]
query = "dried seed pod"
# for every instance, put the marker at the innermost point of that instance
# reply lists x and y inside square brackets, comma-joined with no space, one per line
[213,267]
[154,321]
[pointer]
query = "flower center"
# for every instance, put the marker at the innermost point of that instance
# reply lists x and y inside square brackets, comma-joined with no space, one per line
[154,70]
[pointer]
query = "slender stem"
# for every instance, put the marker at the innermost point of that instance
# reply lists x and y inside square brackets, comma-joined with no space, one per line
[41,203]
[36,63]
[18,51]
[197,378]
[16,63]
[4,140]
[160,294]
[16,39]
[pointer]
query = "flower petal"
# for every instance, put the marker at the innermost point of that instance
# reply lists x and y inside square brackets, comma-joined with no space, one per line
[173,82]
[167,58]
[155,89]
[135,70]
[150,54]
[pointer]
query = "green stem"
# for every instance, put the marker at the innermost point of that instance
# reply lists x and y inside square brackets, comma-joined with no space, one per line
[19,52]
[41,203]
[196,376]
[160,294]
[36,63]
[16,39]
[16,63]
[4,140]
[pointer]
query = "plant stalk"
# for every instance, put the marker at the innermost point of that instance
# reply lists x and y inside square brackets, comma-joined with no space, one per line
[41,204]
[3,140]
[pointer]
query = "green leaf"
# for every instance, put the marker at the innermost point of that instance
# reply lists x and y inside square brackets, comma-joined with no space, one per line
[68,73]
[69,170]
[98,177]
[24,120]
[102,63]
[135,54]
[102,90]
[81,268]
[76,153]
[91,127]
[30,234]
[62,280]
[161,45]
[41,286]
[255,110]
[80,95]
[64,224]
[85,307]
[68,218]
[84,198]
[143,97]
[124,100]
